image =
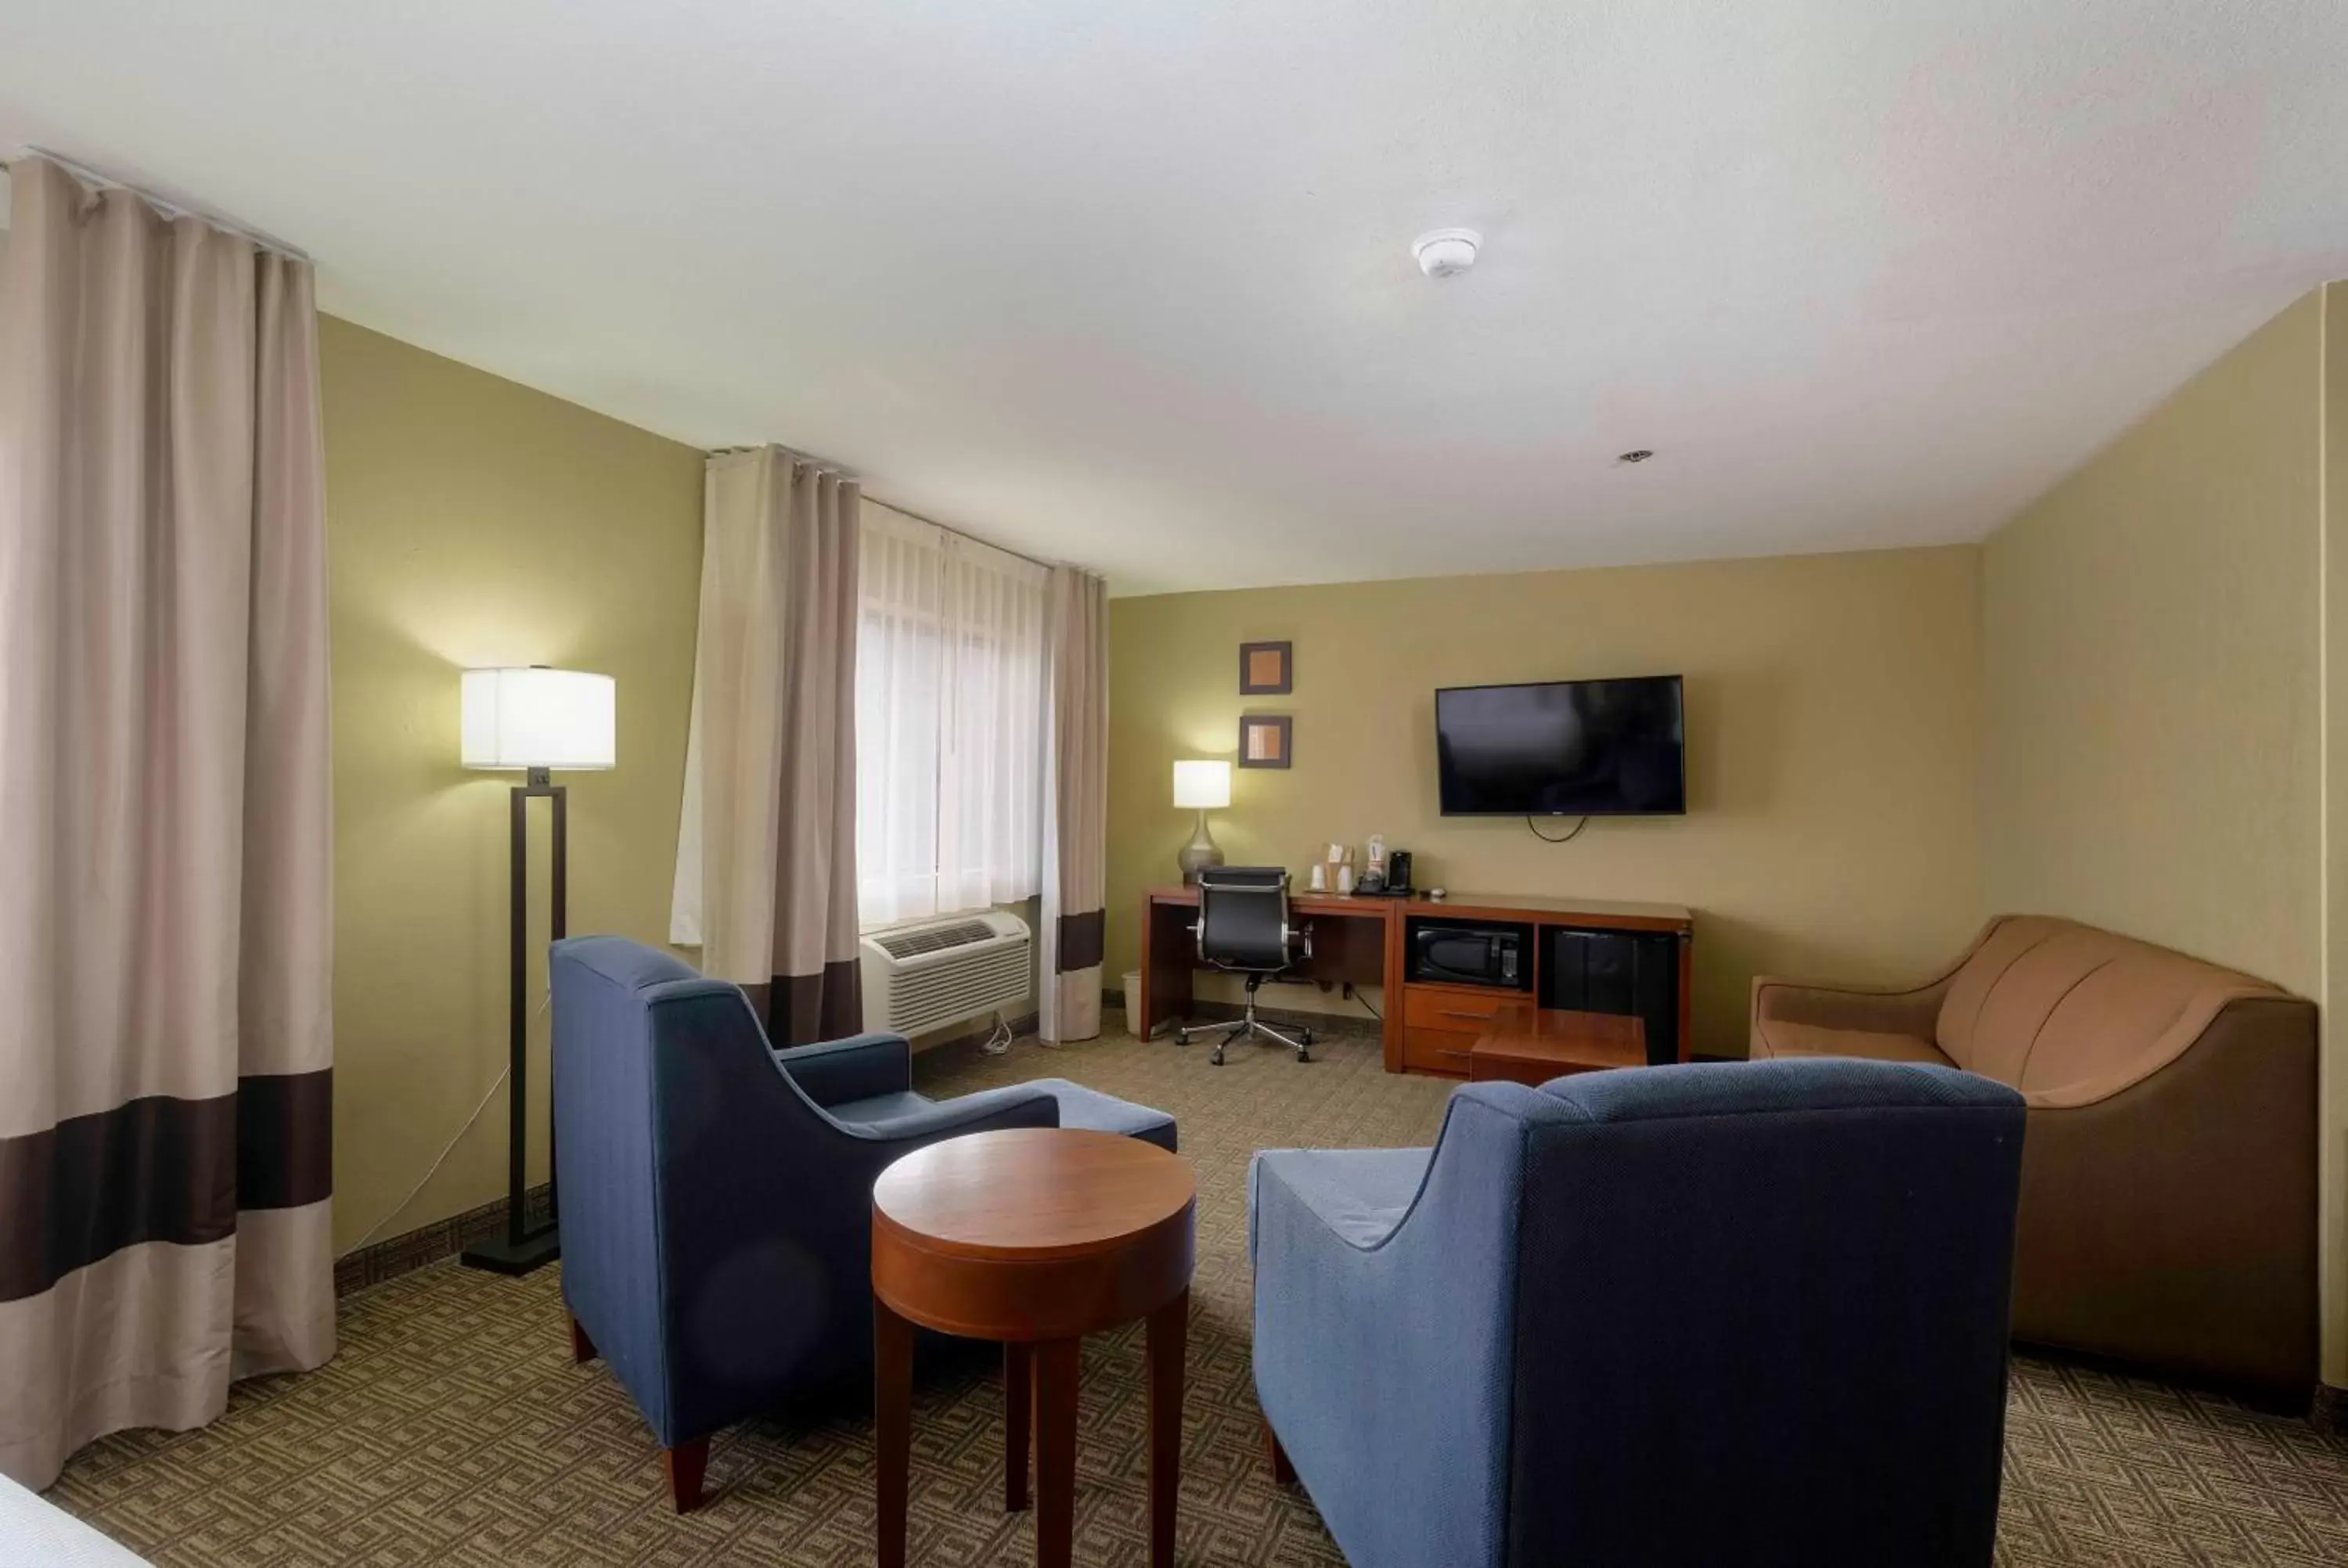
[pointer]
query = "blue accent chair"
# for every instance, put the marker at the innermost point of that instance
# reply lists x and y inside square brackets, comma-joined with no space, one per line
[1732,1313]
[717,1195]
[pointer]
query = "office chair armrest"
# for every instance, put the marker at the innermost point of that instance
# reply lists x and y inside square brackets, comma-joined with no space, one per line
[857,1067]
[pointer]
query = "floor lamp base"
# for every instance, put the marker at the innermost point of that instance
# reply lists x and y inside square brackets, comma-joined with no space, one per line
[510,1253]
[506,1256]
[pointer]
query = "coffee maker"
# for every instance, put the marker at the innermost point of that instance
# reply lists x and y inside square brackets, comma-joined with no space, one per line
[1388,870]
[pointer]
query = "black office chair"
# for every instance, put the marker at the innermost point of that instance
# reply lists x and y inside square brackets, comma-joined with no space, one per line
[1243,929]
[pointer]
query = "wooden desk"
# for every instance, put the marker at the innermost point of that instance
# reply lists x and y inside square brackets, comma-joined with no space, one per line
[1035,1236]
[1429,1027]
[1356,940]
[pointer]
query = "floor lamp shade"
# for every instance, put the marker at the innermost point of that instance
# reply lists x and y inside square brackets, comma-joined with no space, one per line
[538,718]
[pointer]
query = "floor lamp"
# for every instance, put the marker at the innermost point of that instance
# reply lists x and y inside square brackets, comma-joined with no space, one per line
[536,720]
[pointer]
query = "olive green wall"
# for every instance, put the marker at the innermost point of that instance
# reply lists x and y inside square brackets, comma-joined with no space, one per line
[2117,709]
[2152,754]
[2157,631]
[1832,716]
[2333,501]
[472,521]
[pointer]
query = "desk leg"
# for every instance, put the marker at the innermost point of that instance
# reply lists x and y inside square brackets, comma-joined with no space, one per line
[1168,952]
[1392,1001]
[1018,1400]
[1139,1027]
[892,1420]
[1168,1333]
[1056,1453]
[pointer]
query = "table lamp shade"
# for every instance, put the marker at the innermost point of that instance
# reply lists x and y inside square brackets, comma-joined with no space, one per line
[1202,786]
[538,718]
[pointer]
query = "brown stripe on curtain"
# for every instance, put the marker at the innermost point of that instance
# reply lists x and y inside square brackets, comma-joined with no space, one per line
[285,1139]
[160,1169]
[829,1005]
[1082,938]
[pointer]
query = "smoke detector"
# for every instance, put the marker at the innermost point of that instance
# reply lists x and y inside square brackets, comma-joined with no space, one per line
[1446,252]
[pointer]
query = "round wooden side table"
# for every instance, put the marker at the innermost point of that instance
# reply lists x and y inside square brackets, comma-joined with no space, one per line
[1035,1236]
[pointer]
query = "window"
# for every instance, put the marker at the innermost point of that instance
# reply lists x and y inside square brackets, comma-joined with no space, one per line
[949,723]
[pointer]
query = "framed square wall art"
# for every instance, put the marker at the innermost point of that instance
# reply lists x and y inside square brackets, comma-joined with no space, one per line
[1266,741]
[1267,669]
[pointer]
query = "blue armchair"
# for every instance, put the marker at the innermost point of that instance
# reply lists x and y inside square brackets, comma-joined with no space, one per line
[1748,1312]
[717,1194]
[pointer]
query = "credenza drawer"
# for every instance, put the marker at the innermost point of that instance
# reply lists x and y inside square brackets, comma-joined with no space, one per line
[1455,1010]
[1444,1050]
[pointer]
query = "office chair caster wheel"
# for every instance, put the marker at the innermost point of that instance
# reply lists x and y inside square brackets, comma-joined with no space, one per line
[1216,1060]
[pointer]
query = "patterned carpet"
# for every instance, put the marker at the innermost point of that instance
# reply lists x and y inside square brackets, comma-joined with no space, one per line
[453,1427]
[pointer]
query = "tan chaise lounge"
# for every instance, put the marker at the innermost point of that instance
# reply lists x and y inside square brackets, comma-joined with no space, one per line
[2168,1188]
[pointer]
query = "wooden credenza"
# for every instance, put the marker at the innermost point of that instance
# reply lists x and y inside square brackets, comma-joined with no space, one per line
[1429,1025]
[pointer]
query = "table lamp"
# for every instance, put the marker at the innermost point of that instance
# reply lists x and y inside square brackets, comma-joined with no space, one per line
[1201,786]
[536,720]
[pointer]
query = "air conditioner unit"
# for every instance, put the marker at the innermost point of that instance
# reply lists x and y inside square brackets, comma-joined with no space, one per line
[938,973]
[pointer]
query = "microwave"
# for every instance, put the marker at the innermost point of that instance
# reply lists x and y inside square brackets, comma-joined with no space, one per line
[1469,954]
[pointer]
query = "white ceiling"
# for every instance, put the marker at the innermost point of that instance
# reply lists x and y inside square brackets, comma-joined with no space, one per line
[1128,283]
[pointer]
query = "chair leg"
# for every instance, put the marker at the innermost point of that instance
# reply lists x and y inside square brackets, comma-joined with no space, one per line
[1282,1473]
[1300,1043]
[686,1464]
[582,1347]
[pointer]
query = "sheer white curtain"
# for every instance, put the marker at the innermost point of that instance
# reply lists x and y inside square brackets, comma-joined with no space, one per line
[949,723]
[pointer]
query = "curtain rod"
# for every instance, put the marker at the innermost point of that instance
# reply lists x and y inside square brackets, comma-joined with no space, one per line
[962,533]
[847,473]
[169,206]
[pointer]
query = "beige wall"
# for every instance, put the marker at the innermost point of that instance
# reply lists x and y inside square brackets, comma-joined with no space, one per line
[1832,711]
[2157,632]
[2151,757]
[472,521]
[2333,501]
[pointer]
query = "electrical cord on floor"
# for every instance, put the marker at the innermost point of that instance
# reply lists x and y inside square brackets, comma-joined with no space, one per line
[1357,995]
[999,1041]
[1569,838]
[401,1208]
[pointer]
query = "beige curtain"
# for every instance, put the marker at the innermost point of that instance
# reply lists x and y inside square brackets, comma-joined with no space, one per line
[765,863]
[165,834]
[1075,803]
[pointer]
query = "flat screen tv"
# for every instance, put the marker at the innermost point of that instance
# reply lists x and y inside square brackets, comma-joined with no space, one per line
[1562,748]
